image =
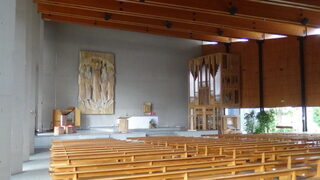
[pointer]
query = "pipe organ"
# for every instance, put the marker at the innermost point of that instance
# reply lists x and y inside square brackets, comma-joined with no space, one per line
[214,84]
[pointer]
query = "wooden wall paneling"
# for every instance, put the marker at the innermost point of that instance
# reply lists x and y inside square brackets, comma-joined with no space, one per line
[273,92]
[312,70]
[211,49]
[248,52]
[292,73]
[281,72]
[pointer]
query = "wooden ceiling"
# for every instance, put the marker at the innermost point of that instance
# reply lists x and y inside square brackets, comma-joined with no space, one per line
[207,20]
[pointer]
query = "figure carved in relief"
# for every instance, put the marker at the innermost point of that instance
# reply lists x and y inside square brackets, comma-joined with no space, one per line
[96,81]
[111,84]
[104,83]
[87,83]
[82,86]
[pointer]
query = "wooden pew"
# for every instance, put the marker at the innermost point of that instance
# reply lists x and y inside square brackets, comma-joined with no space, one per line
[223,172]
[80,167]
[122,158]
[233,156]
[149,169]
[288,174]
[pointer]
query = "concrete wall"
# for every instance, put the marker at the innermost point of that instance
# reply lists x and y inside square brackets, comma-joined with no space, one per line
[26,57]
[46,78]
[148,68]
[19,27]
[7,26]
[34,53]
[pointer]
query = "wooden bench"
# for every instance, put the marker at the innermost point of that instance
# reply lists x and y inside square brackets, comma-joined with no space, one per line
[224,157]
[224,172]
[76,167]
[149,169]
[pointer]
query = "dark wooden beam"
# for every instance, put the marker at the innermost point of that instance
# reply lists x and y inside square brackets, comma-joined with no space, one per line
[309,5]
[227,47]
[302,84]
[261,86]
[132,27]
[182,26]
[267,10]
[183,15]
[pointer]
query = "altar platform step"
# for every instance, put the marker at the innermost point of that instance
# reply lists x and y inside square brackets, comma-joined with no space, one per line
[43,140]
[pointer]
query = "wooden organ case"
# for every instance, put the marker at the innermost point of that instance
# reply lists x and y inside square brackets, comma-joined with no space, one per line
[214,84]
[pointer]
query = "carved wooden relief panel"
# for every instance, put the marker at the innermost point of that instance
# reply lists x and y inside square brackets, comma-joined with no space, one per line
[96,83]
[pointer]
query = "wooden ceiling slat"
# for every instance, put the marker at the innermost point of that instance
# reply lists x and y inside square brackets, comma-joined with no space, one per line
[142,10]
[192,28]
[252,9]
[309,5]
[131,27]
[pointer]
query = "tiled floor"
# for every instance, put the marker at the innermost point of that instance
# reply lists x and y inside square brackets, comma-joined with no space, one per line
[36,168]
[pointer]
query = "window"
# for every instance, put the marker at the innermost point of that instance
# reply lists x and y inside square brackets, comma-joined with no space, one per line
[313,119]
[284,117]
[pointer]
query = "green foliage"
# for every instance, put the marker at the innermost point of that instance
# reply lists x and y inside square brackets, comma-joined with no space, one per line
[249,122]
[263,122]
[152,124]
[285,130]
[266,121]
[316,115]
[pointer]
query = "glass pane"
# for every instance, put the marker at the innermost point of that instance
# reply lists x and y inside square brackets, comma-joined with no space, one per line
[313,119]
[191,85]
[217,85]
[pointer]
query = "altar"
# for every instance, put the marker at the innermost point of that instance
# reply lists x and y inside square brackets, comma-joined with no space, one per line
[141,122]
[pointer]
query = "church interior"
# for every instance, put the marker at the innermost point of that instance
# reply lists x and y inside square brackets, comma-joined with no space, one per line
[159,89]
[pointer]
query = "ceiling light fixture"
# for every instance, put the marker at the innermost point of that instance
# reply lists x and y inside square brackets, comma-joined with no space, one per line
[233,10]
[220,32]
[168,24]
[107,16]
[304,21]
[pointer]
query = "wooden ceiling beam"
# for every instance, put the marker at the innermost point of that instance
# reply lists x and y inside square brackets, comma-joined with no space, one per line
[133,27]
[191,28]
[270,10]
[309,5]
[141,10]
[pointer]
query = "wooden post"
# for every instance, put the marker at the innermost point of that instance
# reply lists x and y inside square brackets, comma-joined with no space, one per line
[293,176]
[185,177]
[318,169]
[75,176]
[164,169]
[289,162]
[204,119]
[263,158]
[206,151]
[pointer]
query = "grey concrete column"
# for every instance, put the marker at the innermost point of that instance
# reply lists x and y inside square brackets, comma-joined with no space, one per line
[7,34]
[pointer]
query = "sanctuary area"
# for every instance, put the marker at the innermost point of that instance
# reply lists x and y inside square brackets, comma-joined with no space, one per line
[159,89]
